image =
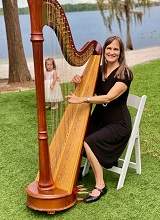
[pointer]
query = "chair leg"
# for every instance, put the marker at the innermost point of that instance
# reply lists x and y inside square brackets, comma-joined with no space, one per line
[138,155]
[86,168]
[125,164]
[123,174]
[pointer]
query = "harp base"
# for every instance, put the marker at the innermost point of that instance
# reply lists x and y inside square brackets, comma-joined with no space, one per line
[49,201]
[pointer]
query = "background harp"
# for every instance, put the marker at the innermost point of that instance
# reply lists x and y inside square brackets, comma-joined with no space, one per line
[55,187]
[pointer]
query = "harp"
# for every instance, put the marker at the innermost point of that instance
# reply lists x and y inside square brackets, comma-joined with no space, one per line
[54,188]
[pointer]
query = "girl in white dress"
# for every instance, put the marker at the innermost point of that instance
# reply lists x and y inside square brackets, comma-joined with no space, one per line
[53,93]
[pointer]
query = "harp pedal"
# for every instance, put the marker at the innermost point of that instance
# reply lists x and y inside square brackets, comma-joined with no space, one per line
[82,192]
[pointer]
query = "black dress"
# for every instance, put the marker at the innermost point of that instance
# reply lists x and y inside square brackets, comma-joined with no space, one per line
[110,125]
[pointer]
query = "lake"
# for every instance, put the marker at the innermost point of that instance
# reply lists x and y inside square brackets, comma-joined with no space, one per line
[87,26]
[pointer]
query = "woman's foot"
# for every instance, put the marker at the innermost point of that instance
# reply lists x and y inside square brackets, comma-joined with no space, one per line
[96,194]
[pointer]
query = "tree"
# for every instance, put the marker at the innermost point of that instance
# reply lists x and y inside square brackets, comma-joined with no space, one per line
[18,69]
[122,10]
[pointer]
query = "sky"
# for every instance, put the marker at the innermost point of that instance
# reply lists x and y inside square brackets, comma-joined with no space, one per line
[23,3]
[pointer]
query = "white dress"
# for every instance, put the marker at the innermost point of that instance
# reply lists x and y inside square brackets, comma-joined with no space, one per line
[55,94]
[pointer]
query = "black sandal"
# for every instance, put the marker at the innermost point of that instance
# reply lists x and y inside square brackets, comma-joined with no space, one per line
[90,198]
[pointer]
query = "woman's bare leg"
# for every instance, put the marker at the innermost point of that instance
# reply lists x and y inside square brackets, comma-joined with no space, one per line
[97,170]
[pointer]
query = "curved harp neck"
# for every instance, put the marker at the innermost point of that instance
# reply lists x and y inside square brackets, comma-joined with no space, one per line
[54,16]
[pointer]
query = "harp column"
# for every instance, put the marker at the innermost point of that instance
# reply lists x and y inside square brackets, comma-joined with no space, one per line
[45,178]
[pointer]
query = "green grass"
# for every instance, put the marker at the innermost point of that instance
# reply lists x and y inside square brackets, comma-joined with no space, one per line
[138,199]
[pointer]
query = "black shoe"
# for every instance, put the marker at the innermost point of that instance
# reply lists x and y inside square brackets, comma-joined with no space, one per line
[90,199]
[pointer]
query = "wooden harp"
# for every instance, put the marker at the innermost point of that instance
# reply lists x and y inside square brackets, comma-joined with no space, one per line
[54,189]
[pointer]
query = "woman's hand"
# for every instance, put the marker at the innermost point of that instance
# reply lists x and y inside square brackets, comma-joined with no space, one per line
[75,99]
[76,79]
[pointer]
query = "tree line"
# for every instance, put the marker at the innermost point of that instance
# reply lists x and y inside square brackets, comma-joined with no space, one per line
[66,7]
[78,7]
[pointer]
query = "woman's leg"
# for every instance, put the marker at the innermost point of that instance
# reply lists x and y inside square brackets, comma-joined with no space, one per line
[97,169]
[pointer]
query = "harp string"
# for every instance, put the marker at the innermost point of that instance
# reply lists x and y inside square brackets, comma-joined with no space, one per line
[66,71]
[54,18]
[53,113]
[56,115]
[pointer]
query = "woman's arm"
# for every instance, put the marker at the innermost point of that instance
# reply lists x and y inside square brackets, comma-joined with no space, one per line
[118,89]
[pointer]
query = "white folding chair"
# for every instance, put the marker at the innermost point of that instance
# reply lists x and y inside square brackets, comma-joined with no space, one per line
[134,142]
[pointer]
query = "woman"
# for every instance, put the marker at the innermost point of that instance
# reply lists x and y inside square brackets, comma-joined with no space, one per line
[110,124]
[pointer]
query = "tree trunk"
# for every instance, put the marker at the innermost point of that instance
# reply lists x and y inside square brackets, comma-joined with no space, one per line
[18,69]
[129,44]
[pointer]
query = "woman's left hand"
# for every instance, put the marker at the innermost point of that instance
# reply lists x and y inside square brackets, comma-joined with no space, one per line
[75,99]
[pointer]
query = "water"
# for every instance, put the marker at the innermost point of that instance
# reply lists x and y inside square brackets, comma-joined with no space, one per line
[87,26]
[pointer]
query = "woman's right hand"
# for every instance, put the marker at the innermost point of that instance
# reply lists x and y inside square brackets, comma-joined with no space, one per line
[73,99]
[76,79]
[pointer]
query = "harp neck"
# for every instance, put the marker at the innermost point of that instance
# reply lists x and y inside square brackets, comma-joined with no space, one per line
[50,13]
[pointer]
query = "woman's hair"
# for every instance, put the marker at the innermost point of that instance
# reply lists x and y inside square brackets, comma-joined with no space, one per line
[123,69]
[53,62]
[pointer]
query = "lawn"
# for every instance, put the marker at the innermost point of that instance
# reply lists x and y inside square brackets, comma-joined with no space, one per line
[138,199]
